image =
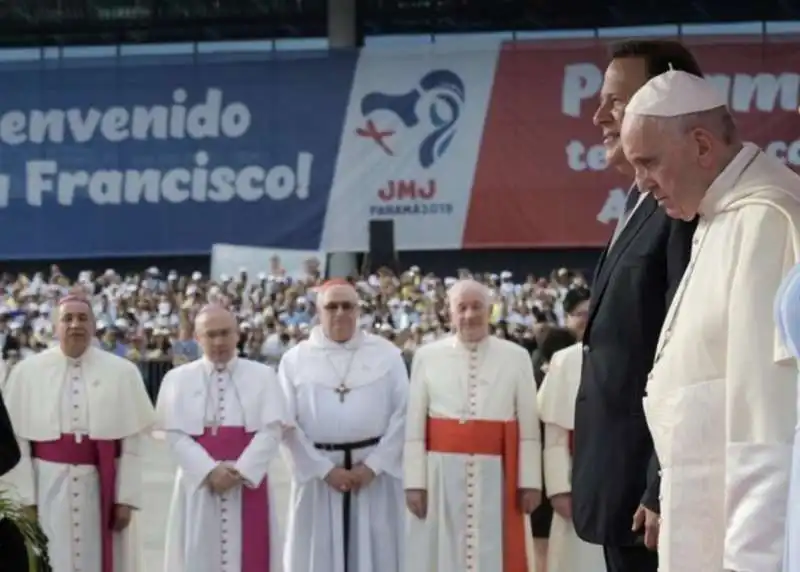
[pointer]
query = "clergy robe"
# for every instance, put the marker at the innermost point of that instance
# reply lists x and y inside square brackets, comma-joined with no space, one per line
[472,441]
[82,426]
[209,415]
[331,531]
[721,395]
[787,317]
[566,551]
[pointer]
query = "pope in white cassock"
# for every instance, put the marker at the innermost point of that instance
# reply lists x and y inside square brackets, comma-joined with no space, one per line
[346,392]
[787,317]
[223,418]
[557,396]
[472,452]
[721,397]
[81,416]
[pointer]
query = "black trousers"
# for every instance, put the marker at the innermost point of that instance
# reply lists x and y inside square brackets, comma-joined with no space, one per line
[630,559]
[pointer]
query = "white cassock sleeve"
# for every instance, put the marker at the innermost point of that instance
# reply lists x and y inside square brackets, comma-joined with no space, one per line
[388,454]
[556,455]
[191,457]
[556,460]
[130,471]
[530,445]
[761,389]
[415,455]
[254,461]
[305,461]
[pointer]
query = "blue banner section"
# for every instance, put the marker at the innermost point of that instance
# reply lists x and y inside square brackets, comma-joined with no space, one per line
[136,156]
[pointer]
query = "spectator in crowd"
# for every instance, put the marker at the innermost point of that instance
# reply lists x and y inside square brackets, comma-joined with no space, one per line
[148,316]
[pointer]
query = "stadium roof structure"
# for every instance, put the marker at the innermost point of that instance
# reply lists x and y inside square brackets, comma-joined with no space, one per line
[71,22]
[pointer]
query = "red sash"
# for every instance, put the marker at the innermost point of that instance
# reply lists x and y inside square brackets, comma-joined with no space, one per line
[227,445]
[100,454]
[483,437]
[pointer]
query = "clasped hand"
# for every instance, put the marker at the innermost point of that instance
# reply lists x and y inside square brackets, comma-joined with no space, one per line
[223,478]
[345,481]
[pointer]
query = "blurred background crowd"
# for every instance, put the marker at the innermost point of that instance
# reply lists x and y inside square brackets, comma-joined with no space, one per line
[148,316]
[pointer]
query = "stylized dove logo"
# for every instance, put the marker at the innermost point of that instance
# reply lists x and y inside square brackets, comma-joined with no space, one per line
[444,111]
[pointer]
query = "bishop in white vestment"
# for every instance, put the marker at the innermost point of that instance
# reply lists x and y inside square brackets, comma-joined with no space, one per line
[472,452]
[787,317]
[222,417]
[556,398]
[346,392]
[82,417]
[721,397]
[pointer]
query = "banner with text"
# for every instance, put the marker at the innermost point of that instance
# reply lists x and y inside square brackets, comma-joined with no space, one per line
[167,155]
[496,149]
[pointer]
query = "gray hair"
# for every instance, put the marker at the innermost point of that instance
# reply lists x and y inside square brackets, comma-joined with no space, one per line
[718,121]
[468,285]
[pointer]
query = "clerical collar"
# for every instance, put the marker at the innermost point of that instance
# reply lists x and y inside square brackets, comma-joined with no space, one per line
[212,367]
[76,361]
[318,338]
[471,346]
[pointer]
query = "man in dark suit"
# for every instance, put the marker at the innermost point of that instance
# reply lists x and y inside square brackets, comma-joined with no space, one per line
[615,473]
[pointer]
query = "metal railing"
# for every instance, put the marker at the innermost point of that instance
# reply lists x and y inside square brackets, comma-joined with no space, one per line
[153,371]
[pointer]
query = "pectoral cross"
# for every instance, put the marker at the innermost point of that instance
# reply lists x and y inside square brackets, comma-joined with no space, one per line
[342,390]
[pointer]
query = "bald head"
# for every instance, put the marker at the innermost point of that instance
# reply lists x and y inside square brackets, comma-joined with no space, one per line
[216,332]
[470,308]
[214,311]
[338,310]
[471,289]
[338,290]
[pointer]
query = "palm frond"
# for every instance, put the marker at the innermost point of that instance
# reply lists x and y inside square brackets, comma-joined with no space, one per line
[35,540]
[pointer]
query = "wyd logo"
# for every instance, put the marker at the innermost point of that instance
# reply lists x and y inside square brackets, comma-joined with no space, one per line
[425,117]
[433,108]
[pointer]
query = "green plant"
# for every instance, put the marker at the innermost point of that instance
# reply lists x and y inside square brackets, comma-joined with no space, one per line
[35,540]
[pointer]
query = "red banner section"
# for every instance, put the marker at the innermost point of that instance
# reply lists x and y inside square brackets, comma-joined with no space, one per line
[541,179]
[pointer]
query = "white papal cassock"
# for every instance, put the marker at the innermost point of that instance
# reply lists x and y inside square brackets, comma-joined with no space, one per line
[471,417]
[212,414]
[82,426]
[363,423]
[787,317]
[722,393]
[557,395]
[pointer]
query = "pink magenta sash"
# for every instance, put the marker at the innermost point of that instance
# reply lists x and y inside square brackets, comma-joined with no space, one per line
[227,445]
[100,454]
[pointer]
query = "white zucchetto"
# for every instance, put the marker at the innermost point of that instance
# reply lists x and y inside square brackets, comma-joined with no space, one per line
[673,94]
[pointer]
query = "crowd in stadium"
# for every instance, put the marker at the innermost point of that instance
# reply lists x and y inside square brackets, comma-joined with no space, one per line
[149,316]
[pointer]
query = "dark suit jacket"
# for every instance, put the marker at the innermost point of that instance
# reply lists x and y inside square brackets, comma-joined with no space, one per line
[9,450]
[614,468]
[12,545]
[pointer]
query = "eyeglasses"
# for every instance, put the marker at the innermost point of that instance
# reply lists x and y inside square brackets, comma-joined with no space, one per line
[343,306]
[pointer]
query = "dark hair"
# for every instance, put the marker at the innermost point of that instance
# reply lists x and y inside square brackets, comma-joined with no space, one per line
[658,56]
[556,339]
[574,297]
